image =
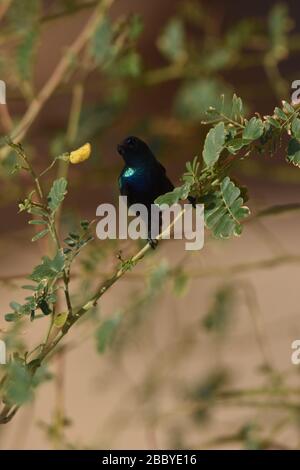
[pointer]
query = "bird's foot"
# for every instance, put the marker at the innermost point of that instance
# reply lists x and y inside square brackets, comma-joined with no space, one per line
[153,243]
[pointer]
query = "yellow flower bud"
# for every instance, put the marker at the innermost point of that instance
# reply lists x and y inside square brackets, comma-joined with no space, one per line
[81,154]
[60,319]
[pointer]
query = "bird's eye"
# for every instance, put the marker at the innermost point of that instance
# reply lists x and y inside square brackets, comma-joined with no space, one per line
[131,142]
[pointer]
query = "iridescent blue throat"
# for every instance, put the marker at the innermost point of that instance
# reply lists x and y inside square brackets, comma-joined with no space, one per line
[129,172]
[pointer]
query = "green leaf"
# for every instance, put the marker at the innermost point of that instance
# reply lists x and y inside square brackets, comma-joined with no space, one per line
[57,194]
[237,108]
[129,66]
[49,269]
[241,33]
[23,16]
[37,211]
[158,277]
[52,298]
[280,114]
[58,262]
[84,224]
[29,287]
[74,235]
[11,163]
[25,53]
[196,96]
[43,271]
[279,24]
[191,174]
[15,306]
[224,210]
[174,196]
[296,128]
[294,152]
[37,222]
[136,27]
[172,42]
[287,108]
[216,59]
[235,145]
[10,317]
[207,390]
[214,144]
[253,129]
[18,384]
[40,235]
[100,43]
[180,283]
[41,375]
[249,435]
[106,332]
[218,316]
[273,122]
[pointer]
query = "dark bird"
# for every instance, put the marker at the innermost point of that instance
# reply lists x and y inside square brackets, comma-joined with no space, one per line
[143,178]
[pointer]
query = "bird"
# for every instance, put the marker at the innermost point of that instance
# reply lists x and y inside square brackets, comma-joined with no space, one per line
[143,178]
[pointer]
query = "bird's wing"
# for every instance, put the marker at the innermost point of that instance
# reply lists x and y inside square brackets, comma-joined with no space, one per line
[161,167]
[164,183]
[167,185]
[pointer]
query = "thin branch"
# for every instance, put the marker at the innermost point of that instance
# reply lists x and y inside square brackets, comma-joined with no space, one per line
[5,119]
[216,271]
[69,11]
[4,7]
[59,72]
[105,286]
[75,112]
[71,320]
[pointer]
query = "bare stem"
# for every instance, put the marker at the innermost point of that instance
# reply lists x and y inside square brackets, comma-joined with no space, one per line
[59,72]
